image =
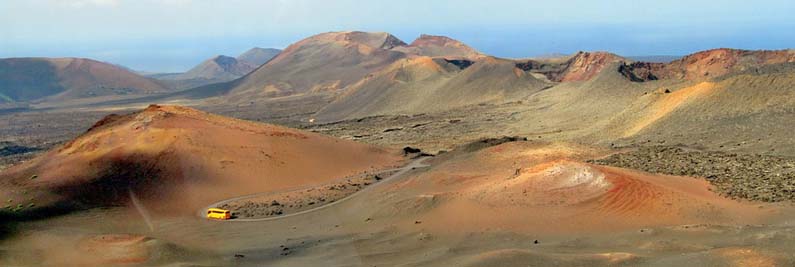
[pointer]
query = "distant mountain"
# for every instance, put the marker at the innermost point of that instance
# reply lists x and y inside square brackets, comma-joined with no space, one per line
[418,84]
[438,46]
[214,70]
[655,59]
[335,60]
[58,79]
[324,62]
[258,56]
[425,84]
[428,84]
[364,74]
[218,69]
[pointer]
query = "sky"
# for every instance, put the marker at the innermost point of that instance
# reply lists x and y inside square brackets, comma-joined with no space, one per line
[174,35]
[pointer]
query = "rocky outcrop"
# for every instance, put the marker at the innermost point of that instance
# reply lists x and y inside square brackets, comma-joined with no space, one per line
[719,62]
[460,63]
[585,65]
[579,67]
[700,66]
[707,65]
[641,71]
[391,42]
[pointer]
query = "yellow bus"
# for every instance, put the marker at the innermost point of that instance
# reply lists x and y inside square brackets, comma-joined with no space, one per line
[218,214]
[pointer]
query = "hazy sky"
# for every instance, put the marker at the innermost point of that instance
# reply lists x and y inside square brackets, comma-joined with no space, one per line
[173,35]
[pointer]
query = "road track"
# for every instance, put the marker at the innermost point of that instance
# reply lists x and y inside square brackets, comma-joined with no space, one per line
[417,163]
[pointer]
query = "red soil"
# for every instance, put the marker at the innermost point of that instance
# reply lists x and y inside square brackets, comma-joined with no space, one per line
[547,188]
[708,64]
[717,62]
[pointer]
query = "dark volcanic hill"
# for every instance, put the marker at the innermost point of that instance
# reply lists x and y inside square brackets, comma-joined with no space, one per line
[218,69]
[60,79]
[215,70]
[221,68]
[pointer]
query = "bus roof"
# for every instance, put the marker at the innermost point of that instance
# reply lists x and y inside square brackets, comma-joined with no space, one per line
[217,210]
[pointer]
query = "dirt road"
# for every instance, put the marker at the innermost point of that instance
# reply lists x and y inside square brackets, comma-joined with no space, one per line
[417,163]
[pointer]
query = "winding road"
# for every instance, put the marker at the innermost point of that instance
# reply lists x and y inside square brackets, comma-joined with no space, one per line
[417,163]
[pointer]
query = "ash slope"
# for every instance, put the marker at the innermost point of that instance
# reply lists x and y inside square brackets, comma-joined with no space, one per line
[424,84]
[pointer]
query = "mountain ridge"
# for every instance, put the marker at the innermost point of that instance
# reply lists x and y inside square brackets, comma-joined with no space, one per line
[59,79]
[218,69]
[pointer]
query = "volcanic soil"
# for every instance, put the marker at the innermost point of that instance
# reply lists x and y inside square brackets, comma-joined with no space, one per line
[178,159]
[490,203]
[628,164]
